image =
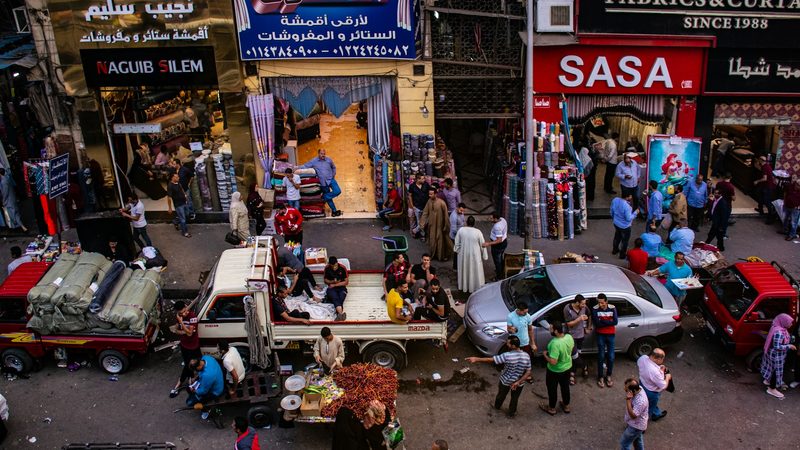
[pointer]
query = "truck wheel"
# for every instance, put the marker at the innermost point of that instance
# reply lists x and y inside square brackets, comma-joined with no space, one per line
[18,360]
[753,360]
[113,361]
[642,346]
[385,355]
[262,416]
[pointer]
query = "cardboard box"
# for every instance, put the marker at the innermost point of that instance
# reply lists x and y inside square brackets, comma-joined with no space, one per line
[312,405]
[268,196]
[316,255]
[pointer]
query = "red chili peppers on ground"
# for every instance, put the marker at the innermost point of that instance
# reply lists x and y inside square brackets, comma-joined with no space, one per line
[363,383]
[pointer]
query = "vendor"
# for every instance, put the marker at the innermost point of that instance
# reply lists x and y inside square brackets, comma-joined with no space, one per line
[337,280]
[209,384]
[329,351]
[281,311]
[674,270]
[116,252]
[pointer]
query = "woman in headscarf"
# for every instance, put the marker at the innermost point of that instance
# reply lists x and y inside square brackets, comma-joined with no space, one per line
[775,349]
[238,217]
[255,205]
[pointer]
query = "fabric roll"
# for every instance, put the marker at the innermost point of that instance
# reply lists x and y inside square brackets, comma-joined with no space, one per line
[194,187]
[552,212]
[543,208]
[560,215]
[213,188]
[106,286]
[202,184]
[582,200]
[570,218]
[513,217]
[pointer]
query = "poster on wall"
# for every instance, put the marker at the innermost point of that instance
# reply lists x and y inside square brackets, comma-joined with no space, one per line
[308,29]
[672,161]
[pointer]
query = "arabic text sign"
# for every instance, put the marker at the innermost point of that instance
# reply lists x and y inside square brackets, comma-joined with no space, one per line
[294,29]
[105,21]
[753,71]
[174,66]
[59,175]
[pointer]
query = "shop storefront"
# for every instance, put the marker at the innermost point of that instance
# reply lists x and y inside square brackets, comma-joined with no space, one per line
[631,86]
[154,83]
[346,81]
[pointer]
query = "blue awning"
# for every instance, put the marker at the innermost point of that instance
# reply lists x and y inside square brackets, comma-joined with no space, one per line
[17,50]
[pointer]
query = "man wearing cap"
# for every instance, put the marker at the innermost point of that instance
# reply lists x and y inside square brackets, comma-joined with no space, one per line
[628,174]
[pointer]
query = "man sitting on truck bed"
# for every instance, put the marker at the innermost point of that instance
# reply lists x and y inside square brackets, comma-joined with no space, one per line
[282,312]
[399,310]
[336,279]
[209,384]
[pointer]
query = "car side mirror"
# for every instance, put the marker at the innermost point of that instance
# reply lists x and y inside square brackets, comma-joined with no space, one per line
[753,317]
[544,324]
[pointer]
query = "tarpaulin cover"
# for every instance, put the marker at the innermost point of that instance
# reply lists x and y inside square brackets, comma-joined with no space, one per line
[136,301]
[47,286]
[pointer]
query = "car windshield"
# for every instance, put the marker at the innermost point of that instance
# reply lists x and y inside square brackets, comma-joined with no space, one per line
[733,291]
[533,287]
[643,288]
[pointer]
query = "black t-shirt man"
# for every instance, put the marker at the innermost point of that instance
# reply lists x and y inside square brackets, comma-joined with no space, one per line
[177,194]
[338,275]
[418,273]
[419,195]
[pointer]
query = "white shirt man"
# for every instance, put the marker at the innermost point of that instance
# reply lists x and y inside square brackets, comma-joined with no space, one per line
[233,364]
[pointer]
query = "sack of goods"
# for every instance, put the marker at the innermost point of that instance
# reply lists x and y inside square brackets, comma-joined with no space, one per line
[88,293]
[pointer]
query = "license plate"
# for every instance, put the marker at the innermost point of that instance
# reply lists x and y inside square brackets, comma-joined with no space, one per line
[710,327]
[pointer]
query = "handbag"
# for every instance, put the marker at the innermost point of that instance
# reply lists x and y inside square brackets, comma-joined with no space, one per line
[233,238]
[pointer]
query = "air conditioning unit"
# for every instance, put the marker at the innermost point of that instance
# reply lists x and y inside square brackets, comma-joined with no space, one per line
[555,16]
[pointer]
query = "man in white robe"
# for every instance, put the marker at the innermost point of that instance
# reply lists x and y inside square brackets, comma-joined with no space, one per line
[470,250]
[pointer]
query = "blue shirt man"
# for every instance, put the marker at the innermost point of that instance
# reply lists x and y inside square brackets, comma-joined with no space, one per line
[521,322]
[655,205]
[628,173]
[673,270]
[622,213]
[682,238]
[651,243]
[209,378]
[324,166]
[696,194]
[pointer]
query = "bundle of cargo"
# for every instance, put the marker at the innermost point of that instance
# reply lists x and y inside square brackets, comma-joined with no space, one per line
[88,292]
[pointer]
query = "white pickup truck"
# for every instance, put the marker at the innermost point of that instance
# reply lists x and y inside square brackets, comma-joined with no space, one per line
[251,271]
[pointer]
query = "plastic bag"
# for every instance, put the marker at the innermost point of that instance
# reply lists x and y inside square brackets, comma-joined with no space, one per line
[393,434]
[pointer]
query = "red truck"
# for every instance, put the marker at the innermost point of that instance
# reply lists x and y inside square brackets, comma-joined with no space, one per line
[21,348]
[740,302]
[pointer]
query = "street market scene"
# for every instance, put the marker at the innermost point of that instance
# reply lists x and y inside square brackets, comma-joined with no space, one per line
[399,224]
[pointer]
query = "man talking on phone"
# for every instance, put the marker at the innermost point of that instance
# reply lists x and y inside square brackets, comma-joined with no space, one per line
[635,416]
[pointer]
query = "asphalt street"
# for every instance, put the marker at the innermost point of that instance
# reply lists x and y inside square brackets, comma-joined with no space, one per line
[717,404]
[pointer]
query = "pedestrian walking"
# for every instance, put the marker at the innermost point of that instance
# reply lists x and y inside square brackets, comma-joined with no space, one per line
[498,243]
[576,315]
[187,173]
[516,371]
[289,223]
[520,324]
[255,207]
[436,224]
[177,201]
[604,320]
[655,204]
[720,214]
[677,268]
[457,220]
[134,212]
[451,194]
[326,172]
[628,175]
[791,209]
[392,205]
[291,181]
[775,348]
[696,198]
[9,197]
[678,208]
[238,217]
[470,250]
[622,216]
[588,159]
[559,362]
[417,199]
[609,157]
[636,416]
[765,187]
[246,436]
[189,342]
[654,377]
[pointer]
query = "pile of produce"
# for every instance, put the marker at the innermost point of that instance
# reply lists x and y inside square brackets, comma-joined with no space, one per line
[363,383]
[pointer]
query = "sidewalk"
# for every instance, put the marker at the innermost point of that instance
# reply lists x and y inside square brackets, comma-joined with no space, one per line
[188,257]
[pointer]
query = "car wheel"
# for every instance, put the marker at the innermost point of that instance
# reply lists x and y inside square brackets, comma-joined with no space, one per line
[385,355]
[18,360]
[113,361]
[753,360]
[262,416]
[642,346]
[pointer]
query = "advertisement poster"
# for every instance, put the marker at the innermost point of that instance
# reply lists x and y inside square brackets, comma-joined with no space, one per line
[672,161]
[307,29]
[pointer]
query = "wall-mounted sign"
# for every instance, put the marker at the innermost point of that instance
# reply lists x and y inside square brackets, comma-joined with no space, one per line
[192,66]
[735,23]
[58,175]
[618,70]
[302,29]
[753,71]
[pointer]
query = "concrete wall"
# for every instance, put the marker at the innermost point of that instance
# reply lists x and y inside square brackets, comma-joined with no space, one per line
[411,89]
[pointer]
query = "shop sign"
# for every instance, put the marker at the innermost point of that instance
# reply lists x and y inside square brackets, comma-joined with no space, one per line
[753,71]
[618,70]
[135,23]
[735,23]
[58,175]
[186,66]
[304,29]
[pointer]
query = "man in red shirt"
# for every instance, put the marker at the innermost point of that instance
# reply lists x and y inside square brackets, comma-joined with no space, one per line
[391,205]
[765,187]
[186,328]
[637,258]
[397,270]
[289,224]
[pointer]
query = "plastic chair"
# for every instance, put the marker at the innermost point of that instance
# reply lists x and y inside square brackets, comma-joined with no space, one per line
[513,263]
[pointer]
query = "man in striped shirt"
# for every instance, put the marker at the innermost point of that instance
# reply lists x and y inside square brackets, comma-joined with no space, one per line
[516,370]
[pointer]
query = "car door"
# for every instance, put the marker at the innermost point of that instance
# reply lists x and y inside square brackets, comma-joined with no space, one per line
[630,322]
[758,319]
[223,319]
[551,313]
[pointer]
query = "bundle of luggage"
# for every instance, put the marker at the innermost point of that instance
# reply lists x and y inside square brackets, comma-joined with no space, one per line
[88,293]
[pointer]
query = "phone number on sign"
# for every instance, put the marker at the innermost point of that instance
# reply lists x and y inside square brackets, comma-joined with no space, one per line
[362,51]
[725,23]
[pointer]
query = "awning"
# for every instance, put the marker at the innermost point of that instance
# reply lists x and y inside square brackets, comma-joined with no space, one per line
[17,50]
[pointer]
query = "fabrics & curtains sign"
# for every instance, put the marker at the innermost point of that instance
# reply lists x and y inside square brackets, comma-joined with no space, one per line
[303,29]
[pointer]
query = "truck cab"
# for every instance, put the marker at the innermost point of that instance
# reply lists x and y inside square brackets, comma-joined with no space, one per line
[741,301]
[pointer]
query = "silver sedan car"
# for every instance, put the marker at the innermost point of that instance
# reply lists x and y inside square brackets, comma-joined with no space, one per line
[647,313]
